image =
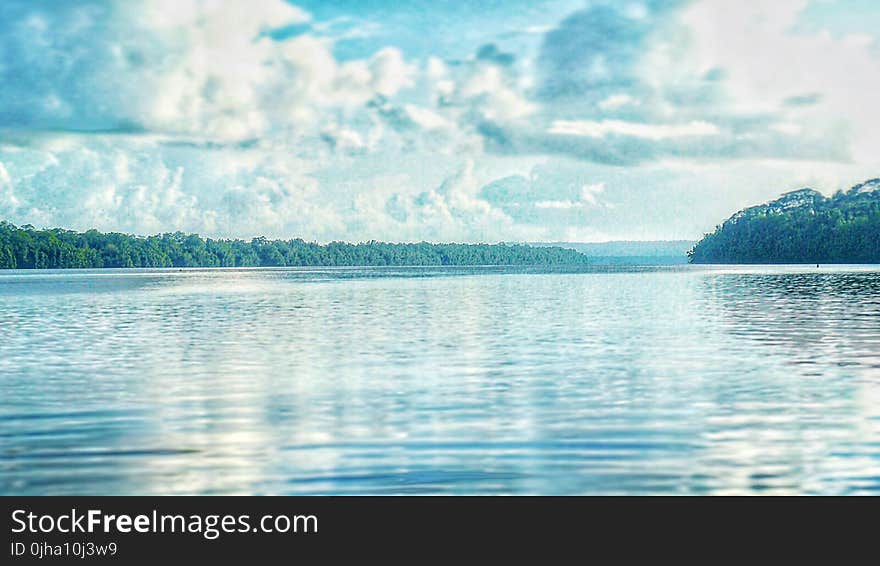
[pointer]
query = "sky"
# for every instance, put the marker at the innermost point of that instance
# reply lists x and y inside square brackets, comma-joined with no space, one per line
[463,121]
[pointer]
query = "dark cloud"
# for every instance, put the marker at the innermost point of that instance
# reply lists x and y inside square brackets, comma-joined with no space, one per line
[491,53]
[393,115]
[595,51]
[746,138]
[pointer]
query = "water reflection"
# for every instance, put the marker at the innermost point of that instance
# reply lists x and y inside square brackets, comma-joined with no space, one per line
[661,380]
[821,330]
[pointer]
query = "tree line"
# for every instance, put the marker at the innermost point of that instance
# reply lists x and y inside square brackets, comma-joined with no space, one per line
[841,229]
[29,248]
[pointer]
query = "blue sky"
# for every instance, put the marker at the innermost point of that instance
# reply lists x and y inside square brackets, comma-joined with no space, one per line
[465,121]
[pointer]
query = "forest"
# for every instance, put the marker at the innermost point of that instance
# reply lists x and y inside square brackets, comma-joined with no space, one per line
[28,248]
[800,227]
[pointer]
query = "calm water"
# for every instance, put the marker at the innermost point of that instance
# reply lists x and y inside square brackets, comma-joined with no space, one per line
[349,381]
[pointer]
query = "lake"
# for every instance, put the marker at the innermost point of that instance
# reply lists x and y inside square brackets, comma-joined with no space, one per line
[607,380]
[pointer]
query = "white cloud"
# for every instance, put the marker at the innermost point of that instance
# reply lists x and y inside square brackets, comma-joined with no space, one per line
[479,87]
[396,208]
[495,94]
[537,30]
[222,18]
[426,118]
[589,193]
[202,69]
[141,188]
[390,72]
[8,201]
[616,101]
[558,204]
[605,128]
[343,138]
[766,60]
[711,68]
[588,197]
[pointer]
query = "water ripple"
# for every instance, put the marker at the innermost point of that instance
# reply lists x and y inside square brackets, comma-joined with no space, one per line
[701,380]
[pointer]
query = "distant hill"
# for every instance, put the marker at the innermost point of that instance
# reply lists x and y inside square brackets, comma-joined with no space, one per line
[28,248]
[660,252]
[801,226]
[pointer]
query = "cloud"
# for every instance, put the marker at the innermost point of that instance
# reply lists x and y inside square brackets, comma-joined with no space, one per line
[448,212]
[427,119]
[202,69]
[615,101]
[544,197]
[480,89]
[588,197]
[595,52]
[491,53]
[771,61]
[803,99]
[390,73]
[237,117]
[8,200]
[144,188]
[633,129]
[152,65]
[667,78]
[631,73]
